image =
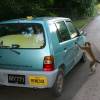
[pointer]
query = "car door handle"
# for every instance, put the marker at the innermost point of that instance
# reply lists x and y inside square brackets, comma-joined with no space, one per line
[65,50]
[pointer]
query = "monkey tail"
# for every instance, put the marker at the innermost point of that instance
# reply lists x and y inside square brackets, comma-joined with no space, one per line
[97,61]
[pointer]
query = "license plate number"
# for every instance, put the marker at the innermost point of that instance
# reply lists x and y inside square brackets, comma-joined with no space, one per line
[38,80]
[17,79]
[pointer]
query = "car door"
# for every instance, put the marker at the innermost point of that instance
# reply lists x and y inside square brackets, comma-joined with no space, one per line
[75,38]
[65,47]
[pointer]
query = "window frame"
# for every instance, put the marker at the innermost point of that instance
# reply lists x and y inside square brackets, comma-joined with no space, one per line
[59,33]
[73,28]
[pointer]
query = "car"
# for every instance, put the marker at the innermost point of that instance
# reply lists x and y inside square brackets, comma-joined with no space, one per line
[39,52]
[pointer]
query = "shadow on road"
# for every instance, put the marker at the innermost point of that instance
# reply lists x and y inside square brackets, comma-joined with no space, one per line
[73,82]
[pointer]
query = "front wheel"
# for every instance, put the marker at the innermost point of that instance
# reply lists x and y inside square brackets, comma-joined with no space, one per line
[58,85]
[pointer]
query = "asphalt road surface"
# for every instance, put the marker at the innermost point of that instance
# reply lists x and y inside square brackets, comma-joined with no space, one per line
[79,84]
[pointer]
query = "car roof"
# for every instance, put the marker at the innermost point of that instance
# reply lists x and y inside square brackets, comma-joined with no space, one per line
[51,18]
[31,19]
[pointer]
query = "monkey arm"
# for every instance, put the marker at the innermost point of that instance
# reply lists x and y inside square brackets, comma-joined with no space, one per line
[81,47]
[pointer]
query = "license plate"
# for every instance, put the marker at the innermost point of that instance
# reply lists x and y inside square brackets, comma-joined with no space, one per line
[17,79]
[38,81]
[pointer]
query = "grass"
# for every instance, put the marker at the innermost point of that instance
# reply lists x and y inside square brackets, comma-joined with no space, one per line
[81,22]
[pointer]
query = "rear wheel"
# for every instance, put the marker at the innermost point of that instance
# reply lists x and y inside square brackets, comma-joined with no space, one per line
[58,85]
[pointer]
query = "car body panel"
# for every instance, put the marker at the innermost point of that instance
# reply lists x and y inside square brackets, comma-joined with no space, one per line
[29,61]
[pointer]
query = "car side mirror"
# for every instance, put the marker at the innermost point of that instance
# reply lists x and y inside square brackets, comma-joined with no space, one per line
[82,32]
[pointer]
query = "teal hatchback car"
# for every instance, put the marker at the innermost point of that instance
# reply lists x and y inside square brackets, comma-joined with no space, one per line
[38,52]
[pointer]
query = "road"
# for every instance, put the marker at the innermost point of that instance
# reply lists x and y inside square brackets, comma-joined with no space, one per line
[79,84]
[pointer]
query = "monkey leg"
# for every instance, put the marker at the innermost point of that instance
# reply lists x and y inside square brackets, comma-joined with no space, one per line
[92,66]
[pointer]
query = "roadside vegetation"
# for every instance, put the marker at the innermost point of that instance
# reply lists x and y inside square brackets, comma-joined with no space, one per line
[80,23]
[98,7]
[78,10]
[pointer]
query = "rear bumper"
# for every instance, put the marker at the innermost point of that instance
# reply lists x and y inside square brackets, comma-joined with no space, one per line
[50,76]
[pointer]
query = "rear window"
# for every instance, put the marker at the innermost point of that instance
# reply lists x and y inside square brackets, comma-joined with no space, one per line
[21,36]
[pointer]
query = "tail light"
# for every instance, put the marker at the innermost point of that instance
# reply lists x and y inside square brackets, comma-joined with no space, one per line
[48,64]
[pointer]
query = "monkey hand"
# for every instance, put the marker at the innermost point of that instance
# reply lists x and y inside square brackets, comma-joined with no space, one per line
[76,43]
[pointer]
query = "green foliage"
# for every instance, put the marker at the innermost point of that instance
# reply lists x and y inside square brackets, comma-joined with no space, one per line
[76,8]
[68,8]
[98,0]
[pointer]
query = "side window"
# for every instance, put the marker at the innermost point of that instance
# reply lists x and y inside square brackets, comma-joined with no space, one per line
[62,31]
[72,30]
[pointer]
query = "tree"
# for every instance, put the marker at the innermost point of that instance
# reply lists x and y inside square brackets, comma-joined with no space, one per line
[67,8]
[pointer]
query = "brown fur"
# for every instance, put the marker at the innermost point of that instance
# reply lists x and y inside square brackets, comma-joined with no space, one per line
[88,51]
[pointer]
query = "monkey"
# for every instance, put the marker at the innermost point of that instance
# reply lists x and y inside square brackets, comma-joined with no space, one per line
[89,53]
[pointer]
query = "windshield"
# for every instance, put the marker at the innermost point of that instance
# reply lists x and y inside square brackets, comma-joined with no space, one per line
[21,35]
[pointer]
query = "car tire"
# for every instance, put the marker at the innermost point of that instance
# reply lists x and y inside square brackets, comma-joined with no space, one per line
[83,58]
[58,85]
